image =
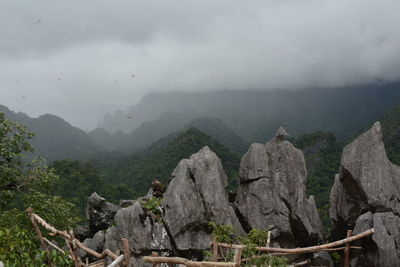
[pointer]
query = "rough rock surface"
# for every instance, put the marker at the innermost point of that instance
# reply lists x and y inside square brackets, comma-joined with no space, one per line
[366,194]
[144,230]
[82,232]
[99,213]
[195,196]
[96,243]
[272,196]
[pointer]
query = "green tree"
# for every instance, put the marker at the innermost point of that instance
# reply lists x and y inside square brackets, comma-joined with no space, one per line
[25,184]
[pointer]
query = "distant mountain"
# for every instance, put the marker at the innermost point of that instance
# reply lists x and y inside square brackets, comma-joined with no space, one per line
[170,122]
[159,160]
[54,138]
[220,132]
[255,115]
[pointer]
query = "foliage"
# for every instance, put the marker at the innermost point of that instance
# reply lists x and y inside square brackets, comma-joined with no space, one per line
[255,238]
[390,123]
[13,142]
[223,233]
[158,161]
[26,184]
[78,180]
[19,249]
[322,153]
[151,204]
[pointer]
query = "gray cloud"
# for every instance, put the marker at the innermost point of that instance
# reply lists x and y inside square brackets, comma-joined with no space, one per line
[76,58]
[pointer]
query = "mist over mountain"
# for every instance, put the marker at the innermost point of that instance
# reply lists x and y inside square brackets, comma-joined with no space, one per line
[55,138]
[254,115]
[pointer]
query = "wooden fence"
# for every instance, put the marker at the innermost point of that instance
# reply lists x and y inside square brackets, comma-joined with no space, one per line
[74,244]
[237,258]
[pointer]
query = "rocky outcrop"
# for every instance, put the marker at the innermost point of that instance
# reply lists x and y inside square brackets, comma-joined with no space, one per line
[99,213]
[272,193]
[96,243]
[366,194]
[144,230]
[195,196]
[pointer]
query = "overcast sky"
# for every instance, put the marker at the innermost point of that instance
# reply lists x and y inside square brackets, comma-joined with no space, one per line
[76,59]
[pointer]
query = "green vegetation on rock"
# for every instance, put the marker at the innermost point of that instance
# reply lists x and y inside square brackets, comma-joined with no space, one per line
[255,238]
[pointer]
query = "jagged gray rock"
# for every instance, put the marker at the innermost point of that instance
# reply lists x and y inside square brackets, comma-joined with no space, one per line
[96,243]
[253,165]
[272,196]
[365,195]
[195,196]
[99,213]
[82,232]
[144,230]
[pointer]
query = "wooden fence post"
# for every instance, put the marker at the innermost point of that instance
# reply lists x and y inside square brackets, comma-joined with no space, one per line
[39,234]
[237,256]
[155,254]
[346,262]
[214,250]
[71,253]
[125,246]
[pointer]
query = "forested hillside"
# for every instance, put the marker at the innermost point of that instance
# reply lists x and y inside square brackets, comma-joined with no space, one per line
[116,177]
[322,153]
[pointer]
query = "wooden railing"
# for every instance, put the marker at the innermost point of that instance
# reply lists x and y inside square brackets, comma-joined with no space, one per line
[74,244]
[333,246]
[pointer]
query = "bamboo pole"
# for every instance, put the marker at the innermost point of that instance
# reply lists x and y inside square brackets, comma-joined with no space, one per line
[74,247]
[65,235]
[214,249]
[53,245]
[155,254]
[117,261]
[105,253]
[39,234]
[177,260]
[125,246]
[237,256]
[71,253]
[325,249]
[306,249]
[346,262]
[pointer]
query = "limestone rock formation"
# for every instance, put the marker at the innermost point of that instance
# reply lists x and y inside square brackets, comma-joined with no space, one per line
[144,230]
[82,232]
[96,243]
[272,194]
[366,194]
[195,196]
[99,213]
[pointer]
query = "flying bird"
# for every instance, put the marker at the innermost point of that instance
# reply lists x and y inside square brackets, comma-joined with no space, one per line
[133,75]
[38,21]
[23,97]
